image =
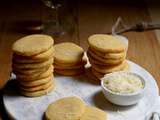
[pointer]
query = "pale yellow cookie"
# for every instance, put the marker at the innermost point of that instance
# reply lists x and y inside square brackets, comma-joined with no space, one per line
[36,82]
[109,69]
[33,77]
[69,108]
[68,53]
[100,61]
[31,71]
[93,113]
[97,74]
[108,55]
[34,59]
[60,67]
[21,66]
[37,88]
[70,72]
[32,44]
[38,93]
[106,43]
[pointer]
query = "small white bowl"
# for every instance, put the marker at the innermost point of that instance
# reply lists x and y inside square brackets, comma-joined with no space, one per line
[121,98]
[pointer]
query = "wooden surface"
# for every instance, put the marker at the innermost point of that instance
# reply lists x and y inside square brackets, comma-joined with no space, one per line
[87,18]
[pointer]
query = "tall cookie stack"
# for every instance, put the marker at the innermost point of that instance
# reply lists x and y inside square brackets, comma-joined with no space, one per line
[69,59]
[33,64]
[106,54]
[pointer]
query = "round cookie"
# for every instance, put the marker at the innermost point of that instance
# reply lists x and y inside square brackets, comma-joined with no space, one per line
[33,59]
[80,66]
[109,69]
[104,60]
[32,45]
[23,77]
[107,62]
[68,53]
[93,113]
[31,71]
[106,43]
[21,66]
[108,55]
[71,72]
[37,88]
[36,82]
[97,74]
[69,108]
[38,93]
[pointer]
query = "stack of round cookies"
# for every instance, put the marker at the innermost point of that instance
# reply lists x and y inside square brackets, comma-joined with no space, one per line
[68,59]
[33,64]
[73,108]
[106,54]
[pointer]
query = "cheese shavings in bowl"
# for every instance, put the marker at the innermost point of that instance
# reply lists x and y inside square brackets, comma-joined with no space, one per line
[123,88]
[123,83]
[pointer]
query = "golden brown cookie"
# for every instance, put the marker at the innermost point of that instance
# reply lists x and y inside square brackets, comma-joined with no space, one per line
[37,88]
[69,108]
[97,74]
[71,72]
[107,62]
[68,53]
[106,43]
[60,67]
[33,77]
[93,113]
[31,71]
[21,66]
[109,69]
[108,55]
[34,59]
[32,45]
[36,82]
[38,93]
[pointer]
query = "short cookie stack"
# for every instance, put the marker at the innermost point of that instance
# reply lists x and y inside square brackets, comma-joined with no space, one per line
[69,59]
[106,54]
[33,64]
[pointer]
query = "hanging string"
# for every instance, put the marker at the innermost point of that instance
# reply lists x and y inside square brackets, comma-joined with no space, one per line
[138,27]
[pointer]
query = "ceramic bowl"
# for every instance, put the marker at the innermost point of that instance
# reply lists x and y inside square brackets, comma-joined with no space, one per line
[123,99]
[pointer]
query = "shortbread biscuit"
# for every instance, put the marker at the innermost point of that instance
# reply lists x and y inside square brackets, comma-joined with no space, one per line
[71,72]
[108,55]
[33,77]
[32,45]
[31,71]
[93,113]
[36,82]
[38,93]
[60,67]
[37,88]
[69,108]
[106,43]
[109,69]
[97,74]
[34,59]
[107,62]
[21,66]
[68,53]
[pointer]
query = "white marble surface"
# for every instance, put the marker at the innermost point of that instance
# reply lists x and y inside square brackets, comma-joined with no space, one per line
[23,108]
